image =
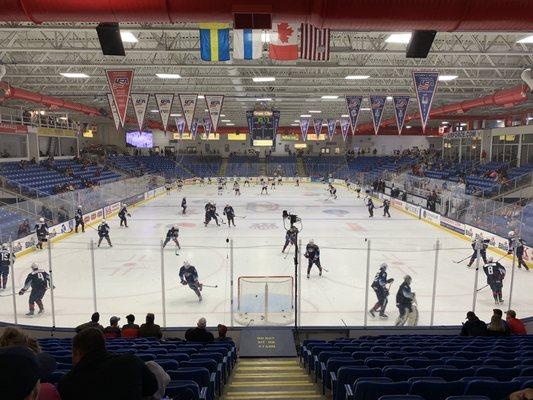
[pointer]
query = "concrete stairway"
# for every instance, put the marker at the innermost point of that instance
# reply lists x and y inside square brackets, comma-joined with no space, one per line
[223,167]
[300,167]
[262,167]
[274,378]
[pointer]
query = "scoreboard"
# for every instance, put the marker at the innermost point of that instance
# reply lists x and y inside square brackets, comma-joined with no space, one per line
[262,125]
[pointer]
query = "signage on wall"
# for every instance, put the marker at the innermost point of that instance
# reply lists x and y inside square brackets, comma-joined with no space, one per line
[13,128]
[55,132]
[461,134]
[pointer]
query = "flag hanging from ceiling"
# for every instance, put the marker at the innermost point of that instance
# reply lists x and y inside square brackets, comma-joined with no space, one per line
[120,82]
[314,43]
[180,125]
[425,88]
[207,127]
[353,103]
[140,103]
[194,128]
[275,121]
[214,106]
[400,109]
[250,121]
[332,126]
[345,126]
[304,126]
[188,106]
[247,44]
[284,41]
[114,112]
[214,41]
[317,125]
[164,105]
[377,104]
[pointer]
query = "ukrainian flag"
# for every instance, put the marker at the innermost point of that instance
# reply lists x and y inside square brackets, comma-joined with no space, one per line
[214,42]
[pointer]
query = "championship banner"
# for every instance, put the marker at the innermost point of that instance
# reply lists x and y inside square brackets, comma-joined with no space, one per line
[188,106]
[194,128]
[180,125]
[304,126]
[425,88]
[214,106]
[353,104]
[250,121]
[377,104]
[164,105]
[345,125]
[332,125]
[207,127]
[400,109]
[140,104]
[317,124]
[114,111]
[276,115]
[120,82]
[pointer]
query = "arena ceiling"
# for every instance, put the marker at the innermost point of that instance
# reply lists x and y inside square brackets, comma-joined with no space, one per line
[484,62]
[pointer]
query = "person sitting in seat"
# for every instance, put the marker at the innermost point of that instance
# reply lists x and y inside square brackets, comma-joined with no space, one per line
[149,329]
[131,329]
[199,334]
[113,330]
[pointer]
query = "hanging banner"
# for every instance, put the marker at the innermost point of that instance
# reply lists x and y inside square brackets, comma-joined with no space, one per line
[250,121]
[120,82]
[317,125]
[275,120]
[140,104]
[304,126]
[353,104]
[332,125]
[188,106]
[425,88]
[114,111]
[207,126]
[400,110]
[345,125]
[164,105]
[377,104]
[180,125]
[194,128]
[214,106]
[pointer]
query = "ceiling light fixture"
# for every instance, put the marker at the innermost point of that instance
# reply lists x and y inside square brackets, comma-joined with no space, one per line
[344,116]
[229,124]
[315,111]
[225,120]
[365,108]
[389,98]
[527,39]
[74,75]
[154,111]
[401,38]
[263,79]
[201,96]
[356,77]
[446,78]
[175,115]
[305,116]
[329,97]
[168,76]
[264,99]
[128,37]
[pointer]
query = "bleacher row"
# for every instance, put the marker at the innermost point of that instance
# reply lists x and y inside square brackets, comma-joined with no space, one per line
[432,367]
[204,369]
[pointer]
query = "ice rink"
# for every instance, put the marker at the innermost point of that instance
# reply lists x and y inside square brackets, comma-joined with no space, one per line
[128,277]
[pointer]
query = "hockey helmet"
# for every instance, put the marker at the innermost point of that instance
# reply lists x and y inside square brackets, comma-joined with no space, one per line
[34,266]
[490,259]
[79,206]
[311,241]
[383,266]
[407,278]
[511,233]
[175,226]
[186,263]
[103,221]
[41,219]
[4,245]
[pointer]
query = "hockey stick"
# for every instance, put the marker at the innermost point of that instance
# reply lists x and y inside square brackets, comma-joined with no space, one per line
[460,261]
[288,250]
[482,288]
[240,217]
[327,270]
[209,286]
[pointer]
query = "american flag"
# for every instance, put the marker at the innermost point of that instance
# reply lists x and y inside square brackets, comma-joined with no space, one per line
[314,43]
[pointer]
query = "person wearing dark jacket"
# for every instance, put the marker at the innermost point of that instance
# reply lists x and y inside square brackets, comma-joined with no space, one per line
[149,329]
[93,323]
[97,374]
[199,334]
[113,330]
[131,329]
[473,326]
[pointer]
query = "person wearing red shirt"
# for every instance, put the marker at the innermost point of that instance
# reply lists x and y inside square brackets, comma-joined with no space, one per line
[516,326]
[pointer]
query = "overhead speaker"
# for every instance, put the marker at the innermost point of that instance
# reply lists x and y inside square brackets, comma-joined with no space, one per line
[110,40]
[527,77]
[420,44]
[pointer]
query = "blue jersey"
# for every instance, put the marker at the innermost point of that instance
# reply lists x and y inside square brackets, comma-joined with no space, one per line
[188,274]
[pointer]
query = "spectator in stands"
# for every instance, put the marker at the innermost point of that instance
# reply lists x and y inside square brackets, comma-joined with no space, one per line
[20,374]
[62,214]
[222,331]
[149,329]
[199,334]
[98,374]
[163,379]
[113,330]
[516,326]
[497,326]
[473,326]
[131,329]
[93,323]
[24,228]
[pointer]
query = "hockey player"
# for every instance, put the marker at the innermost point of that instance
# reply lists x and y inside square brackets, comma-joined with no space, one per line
[484,243]
[272,183]
[237,188]
[312,253]
[517,243]
[122,215]
[41,229]
[168,187]
[246,182]
[230,214]
[189,276]
[5,263]
[202,181]
[386,206]
[210,213]
[103,232]
[382,291]
[332,191]
[297,180]
[39,281]
[183,205]
[280,180]
[495,274]
[370,206]
[290,237]
[220,187]
[180,184]
[78,218]
[172,234]
[404,300]
[264,186]
[224,182]
[358,189]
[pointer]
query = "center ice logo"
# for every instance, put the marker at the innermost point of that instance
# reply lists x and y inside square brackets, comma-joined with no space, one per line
[336,211]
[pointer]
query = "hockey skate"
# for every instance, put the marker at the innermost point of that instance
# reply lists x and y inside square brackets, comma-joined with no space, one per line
[372,313]
[383,316]
[29,313]
[41,311]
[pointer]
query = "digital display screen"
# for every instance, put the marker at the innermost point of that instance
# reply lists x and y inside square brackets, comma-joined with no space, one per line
[138,139]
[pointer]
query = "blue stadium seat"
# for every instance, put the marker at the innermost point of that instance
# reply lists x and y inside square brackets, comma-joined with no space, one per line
[438,390]
[348,375]
[493,390]
[374,390]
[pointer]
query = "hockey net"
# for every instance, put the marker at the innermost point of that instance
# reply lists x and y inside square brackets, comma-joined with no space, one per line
[265,300]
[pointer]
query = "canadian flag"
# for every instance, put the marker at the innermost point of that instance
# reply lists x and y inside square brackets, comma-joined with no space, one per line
[284,41]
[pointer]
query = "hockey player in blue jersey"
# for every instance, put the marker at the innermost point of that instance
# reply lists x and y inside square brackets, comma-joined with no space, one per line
[290,237]
[183,205]
[122,215]
[382,291]
[312,253]
[517,243]
[39,282]
[6,257]
[189,276]
[103,233]
[41,230]
[495,274]
[78,218]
